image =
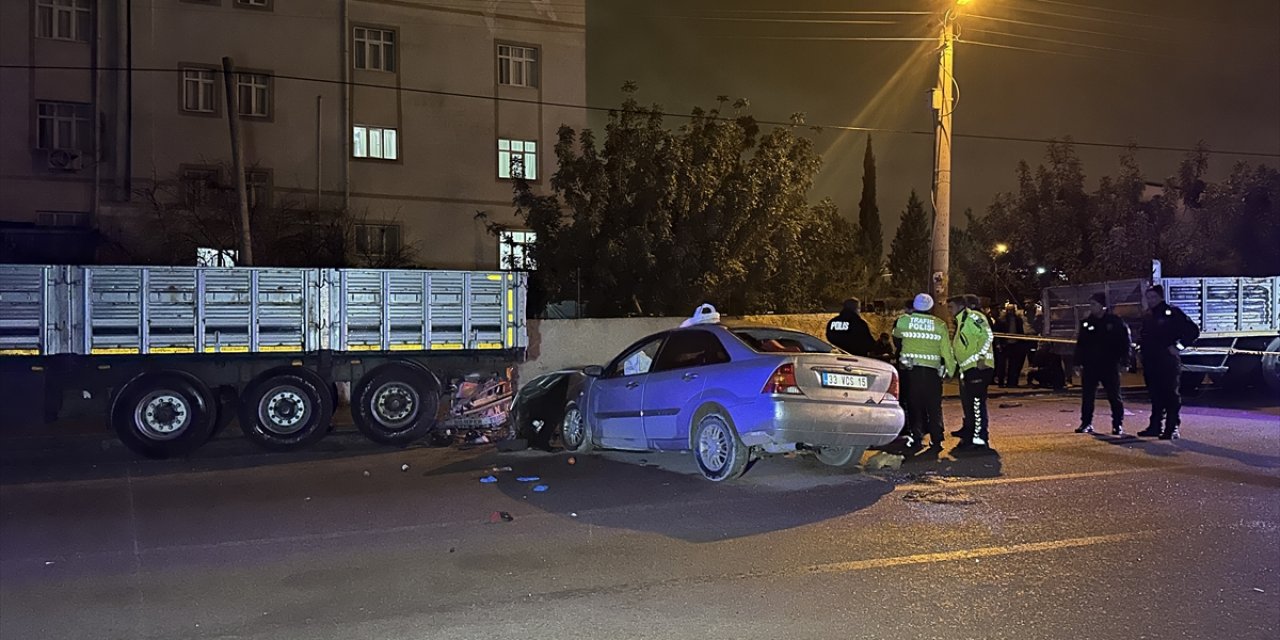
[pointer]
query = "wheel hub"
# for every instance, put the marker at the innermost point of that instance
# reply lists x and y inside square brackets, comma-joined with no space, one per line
[283,410]
[395,404]
[713,447]
[162,415]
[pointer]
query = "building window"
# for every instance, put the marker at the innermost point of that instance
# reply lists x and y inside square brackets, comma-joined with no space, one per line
[375,142]
[64,20]
[198,90]
[375,49]
[64,125]
[517,159]
[199,185]
[257,184]
[377,239]
[517,66]
[62,219]
[254,4]
[255,95]
[514,250]
[210,257]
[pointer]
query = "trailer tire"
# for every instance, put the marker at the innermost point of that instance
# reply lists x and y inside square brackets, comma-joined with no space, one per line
[396,404]
[1271,367]
[164,414]
[286,409]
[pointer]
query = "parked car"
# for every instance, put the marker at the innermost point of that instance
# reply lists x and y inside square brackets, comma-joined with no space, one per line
[729,394]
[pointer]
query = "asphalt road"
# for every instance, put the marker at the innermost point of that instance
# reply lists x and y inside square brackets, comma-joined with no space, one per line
[1061,536]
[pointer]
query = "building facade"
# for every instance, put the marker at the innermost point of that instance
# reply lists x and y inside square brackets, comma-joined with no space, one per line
[410,118]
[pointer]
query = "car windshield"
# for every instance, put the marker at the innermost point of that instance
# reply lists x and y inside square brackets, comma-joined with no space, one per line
[766,340]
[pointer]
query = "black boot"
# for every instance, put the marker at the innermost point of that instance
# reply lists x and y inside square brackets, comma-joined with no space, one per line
[1085,428]
[1170,434]
[1152,431]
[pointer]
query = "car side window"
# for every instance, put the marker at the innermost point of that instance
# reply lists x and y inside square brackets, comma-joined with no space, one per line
[635,362]
[686,349]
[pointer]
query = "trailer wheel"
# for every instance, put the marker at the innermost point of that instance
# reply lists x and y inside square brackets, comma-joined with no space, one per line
[286,409]
[165,414]
[1271,367]
[396,404]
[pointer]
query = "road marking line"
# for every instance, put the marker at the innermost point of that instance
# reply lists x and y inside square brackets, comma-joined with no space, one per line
[978,482]
[968,554]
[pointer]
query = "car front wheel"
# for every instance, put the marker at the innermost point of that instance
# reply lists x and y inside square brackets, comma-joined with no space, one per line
[573,430]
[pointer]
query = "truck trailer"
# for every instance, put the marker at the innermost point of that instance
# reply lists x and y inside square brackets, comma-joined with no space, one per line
[176,352]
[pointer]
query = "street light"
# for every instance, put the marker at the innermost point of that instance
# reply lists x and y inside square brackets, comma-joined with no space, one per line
[1001,248]
[1041,271]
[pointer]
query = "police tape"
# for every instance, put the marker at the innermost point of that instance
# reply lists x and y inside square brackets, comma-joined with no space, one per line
[1190,351]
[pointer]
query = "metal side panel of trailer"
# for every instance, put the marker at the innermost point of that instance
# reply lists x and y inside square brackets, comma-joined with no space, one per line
[55,310]
[1228,307]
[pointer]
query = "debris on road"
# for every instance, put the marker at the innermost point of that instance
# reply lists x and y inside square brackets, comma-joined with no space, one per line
[488,480]
[885,460]
[946,496]
[573,460]
[500,469]
[1255,588]
[366,473]
[500,516]
[49,563]
[573,514]
[404,467]
[528,479]
[542,488]
[1010,405]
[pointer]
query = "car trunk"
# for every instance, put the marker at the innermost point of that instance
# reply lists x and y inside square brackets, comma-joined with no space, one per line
[841,378]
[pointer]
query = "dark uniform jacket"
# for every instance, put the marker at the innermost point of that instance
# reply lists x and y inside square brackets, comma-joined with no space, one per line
[1166,326]
[1102,342]
[852,334]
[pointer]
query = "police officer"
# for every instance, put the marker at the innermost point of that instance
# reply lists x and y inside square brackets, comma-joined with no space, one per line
[850,332]
[926,358]
[1102,347]
[976,362]
[1166,331]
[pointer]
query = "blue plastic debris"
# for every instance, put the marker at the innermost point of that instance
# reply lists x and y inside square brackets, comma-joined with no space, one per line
[540,488]
[528,478]
[488,479]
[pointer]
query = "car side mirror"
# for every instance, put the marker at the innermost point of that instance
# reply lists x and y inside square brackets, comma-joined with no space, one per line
[593,371]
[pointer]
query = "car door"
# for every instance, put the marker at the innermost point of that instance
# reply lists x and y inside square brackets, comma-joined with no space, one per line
[678,377]
[616,396]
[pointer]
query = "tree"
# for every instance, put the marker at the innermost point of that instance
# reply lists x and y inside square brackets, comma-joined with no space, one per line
[655,221]
[909,252]
[870,234]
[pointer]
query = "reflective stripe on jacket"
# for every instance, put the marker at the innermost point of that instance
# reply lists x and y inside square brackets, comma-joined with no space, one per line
[925,340]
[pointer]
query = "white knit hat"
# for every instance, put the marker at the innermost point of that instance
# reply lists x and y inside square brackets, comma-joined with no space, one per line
[923,303]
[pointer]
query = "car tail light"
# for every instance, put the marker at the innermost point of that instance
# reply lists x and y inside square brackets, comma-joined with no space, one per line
[783,381]
[894,389]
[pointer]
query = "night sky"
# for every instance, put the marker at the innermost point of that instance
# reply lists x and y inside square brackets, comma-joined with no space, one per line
[1154,72]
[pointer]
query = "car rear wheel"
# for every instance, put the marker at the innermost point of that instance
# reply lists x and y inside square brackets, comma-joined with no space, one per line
[720,453]
[839,456]
[573,430]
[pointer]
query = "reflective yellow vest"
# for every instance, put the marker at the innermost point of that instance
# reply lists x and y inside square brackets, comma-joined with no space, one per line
[925,343]
[973,342]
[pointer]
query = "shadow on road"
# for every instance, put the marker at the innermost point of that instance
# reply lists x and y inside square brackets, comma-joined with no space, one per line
[659,493]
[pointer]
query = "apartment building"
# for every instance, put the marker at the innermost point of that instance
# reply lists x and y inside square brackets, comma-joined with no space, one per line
[413,116]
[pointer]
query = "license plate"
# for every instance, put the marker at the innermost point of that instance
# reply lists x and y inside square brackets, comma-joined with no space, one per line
[845,381]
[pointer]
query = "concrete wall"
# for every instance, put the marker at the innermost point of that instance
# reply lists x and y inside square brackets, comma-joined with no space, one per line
[557,344]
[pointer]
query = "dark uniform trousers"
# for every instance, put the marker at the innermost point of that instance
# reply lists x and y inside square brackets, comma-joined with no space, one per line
[1163,376]
[974,384]
[1109,377]
[924,403]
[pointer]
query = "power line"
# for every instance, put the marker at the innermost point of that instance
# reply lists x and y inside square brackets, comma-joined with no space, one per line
[1041,25]
[1089,7]
[826,38]
[1030,49]
[1068,43]
[781,20]
[584,107]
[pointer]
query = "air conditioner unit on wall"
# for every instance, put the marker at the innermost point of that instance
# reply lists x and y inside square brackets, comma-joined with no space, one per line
[65,160]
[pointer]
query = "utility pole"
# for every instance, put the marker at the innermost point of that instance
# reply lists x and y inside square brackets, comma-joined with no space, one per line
[237,161]
[943,106]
